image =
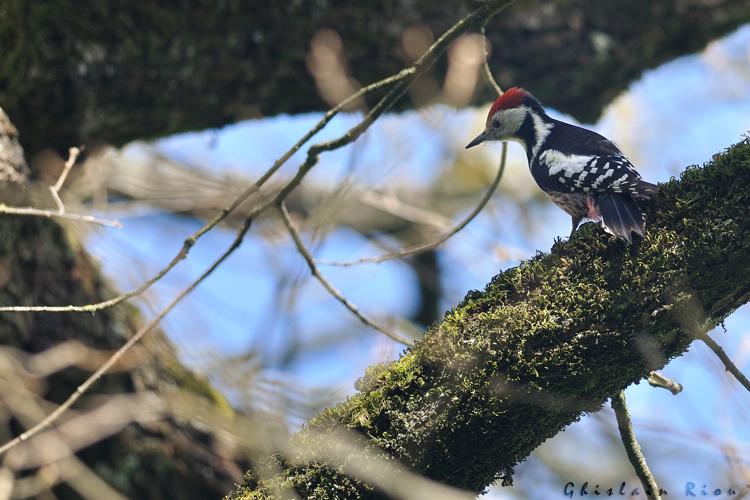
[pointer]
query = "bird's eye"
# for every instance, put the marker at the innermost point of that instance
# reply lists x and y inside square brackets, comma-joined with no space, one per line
[496,123]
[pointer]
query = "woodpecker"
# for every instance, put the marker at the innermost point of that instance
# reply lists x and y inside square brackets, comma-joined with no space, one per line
[583,172]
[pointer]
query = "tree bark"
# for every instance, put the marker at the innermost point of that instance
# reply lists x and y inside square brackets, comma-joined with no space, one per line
[544,343]
[84,71]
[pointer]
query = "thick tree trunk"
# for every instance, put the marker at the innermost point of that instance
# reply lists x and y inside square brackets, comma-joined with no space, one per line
[544,343]
[85,71]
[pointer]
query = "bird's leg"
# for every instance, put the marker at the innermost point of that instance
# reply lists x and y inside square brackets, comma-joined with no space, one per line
[576,220]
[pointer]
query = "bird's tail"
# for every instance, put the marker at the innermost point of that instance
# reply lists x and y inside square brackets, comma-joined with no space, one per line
[621,215]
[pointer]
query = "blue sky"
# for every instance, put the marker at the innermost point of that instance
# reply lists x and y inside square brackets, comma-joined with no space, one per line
[678,114]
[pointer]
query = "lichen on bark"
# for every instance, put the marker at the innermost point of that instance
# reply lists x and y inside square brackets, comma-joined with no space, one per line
[544,343]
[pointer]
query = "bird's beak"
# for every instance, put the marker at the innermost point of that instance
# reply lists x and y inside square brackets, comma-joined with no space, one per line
[477,140]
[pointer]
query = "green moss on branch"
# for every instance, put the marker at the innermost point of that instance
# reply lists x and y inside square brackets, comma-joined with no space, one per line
[545,342]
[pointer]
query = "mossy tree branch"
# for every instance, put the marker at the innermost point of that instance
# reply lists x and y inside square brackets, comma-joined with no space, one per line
[545,343]
[86,71]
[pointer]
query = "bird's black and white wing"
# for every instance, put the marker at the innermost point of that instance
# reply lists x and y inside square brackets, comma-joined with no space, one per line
[592,173]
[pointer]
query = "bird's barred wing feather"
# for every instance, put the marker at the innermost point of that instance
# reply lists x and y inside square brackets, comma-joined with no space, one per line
[595,173]
[608,173]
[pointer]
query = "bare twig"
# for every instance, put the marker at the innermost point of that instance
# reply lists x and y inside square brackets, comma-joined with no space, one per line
[61,212]
[423,63]
[632,448]
[722,355]
[486,65]
[51,214]
[693,319]
[55,188]
[656,379]
[64,355]
[327,284]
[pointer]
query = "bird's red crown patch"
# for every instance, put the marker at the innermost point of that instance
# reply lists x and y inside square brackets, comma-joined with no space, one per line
[511,98]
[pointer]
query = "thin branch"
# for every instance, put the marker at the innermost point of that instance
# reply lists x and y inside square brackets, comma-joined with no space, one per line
[61,212]
[55,189]
[656,379]
[728,364]
[56,452]
[329,286]
[488,10]
[632,448]
[486,65]
[52,214]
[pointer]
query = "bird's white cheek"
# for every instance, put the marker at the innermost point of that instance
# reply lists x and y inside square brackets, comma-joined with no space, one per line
[512,120]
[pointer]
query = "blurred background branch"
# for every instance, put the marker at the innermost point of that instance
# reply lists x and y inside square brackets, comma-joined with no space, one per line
[123,84]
